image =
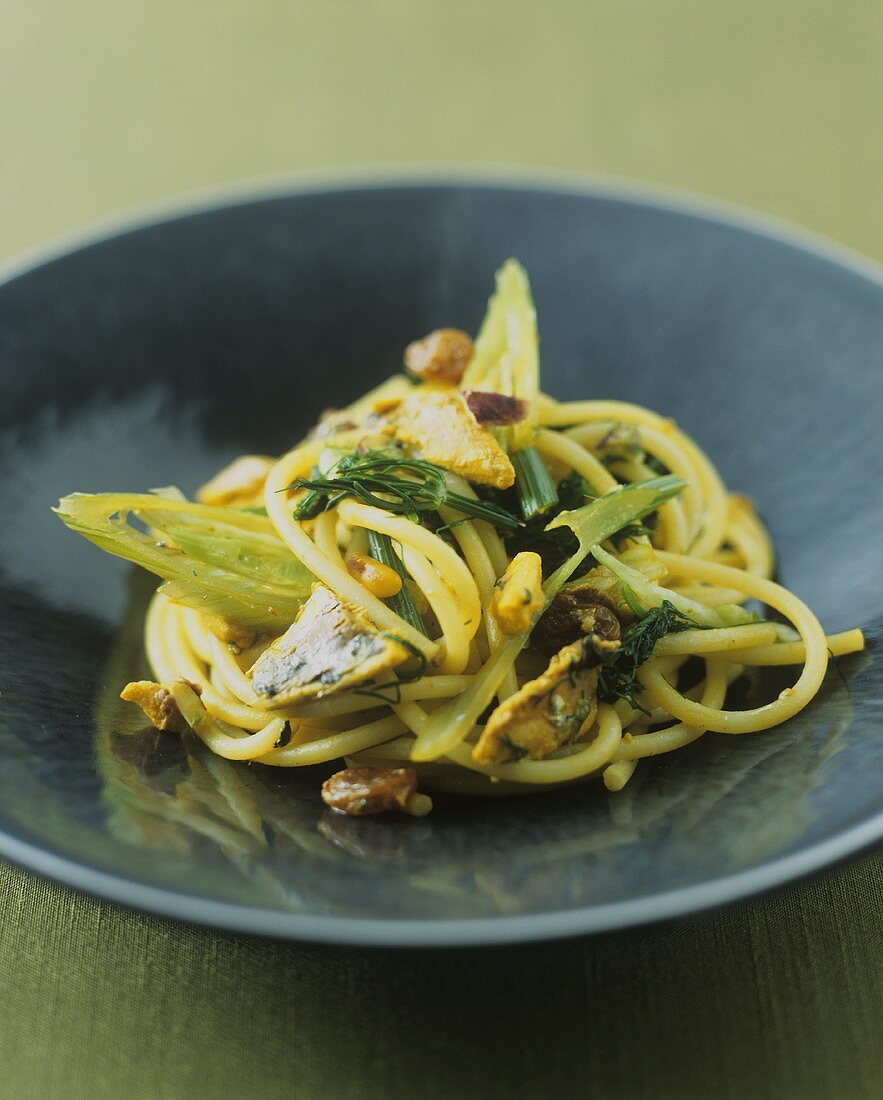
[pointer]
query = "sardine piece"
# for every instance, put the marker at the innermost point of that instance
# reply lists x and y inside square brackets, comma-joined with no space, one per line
[330,647]
[546,713]
[438,422]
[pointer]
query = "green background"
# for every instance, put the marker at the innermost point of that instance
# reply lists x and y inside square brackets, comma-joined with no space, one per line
[106,105]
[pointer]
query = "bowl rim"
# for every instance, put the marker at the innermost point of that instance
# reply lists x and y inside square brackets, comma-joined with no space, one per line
[448,932]
[515,177]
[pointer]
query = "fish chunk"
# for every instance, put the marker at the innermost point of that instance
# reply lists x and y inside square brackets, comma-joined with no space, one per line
[439,422]
[330,647]
[548,712]
[519,593]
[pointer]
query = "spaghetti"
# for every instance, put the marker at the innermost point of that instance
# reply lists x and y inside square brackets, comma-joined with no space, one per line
[491,593]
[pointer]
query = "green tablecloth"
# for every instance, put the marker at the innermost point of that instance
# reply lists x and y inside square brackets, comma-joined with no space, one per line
[776,998]
[769,103]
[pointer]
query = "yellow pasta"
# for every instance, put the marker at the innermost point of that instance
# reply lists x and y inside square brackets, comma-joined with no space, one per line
[623,646]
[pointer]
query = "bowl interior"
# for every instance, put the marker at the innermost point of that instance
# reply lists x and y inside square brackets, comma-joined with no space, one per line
[153,357]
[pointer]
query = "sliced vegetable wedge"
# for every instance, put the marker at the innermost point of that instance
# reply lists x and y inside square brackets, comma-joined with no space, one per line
[222,561]
[646,596]
[506,356]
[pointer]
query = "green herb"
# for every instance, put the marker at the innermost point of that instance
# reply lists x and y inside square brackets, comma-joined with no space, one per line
[655,465]
[618,678]
[574,491]
[554,547]
[533,483]
[402,603]
[594,523]
[645,595]
[393,687]
[406,486]
[634,531]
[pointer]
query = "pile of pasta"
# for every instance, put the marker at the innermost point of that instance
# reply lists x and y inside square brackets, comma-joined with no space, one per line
[703,554]
[711,542]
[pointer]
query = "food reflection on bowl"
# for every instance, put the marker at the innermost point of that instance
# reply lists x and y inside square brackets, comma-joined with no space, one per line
[173,795]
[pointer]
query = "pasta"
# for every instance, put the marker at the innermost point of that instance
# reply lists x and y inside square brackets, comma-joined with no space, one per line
[462,583]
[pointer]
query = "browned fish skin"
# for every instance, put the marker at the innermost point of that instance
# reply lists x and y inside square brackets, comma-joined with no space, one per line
[438,422]
[442,356]
[548,712]
[157,703]
[359,791]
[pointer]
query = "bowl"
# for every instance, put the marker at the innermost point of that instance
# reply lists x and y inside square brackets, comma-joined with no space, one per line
[154,353]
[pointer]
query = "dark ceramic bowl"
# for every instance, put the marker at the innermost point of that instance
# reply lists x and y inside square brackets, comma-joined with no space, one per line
[155,354]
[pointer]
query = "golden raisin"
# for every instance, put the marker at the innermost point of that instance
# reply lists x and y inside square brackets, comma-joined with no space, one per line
[442,356]
[361,790]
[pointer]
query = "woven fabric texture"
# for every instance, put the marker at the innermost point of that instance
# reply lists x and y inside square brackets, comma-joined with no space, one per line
[777,997]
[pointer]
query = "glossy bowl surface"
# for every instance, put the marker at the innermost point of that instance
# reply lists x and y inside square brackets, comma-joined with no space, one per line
[154,355]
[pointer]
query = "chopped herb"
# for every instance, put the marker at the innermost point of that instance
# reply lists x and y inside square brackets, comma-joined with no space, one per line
[655,465]
[574,491]
[402,603]
[376,691]
[618,679]
[533,483]
[634,531]
[554,547]
[406,486]
[284,737]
